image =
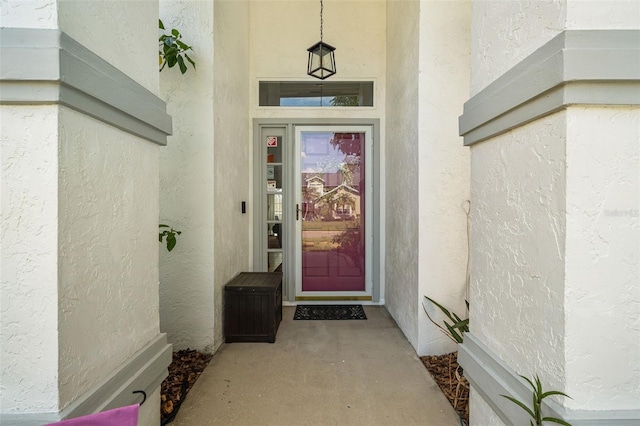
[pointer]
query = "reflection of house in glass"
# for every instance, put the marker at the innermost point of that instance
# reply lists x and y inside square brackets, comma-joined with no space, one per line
[328,196]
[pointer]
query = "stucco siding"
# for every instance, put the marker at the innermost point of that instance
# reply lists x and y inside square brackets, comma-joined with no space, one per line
[232,155]
[609,14]
[443,166]
[503,33]
[517,249]
[357,29]
[79,209]
[108,264]
[32,14]
[186,183]
[555,224]
[29,256]
[402,167]
[480,413]
[115,32]
[603,258]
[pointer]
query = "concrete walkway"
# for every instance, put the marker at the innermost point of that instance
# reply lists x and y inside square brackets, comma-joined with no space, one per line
[319,373]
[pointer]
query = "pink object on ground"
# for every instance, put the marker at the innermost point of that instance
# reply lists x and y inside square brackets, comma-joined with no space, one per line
[123,416]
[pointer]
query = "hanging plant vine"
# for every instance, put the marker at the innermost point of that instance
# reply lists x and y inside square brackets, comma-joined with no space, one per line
[173,51]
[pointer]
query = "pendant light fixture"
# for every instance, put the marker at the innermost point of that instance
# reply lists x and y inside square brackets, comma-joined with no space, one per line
[322,60]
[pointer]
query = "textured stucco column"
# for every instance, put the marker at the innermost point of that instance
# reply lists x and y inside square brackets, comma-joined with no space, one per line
[81,129]
[427,168]
[186,183]
[232,154]
[205,173]
[554,130]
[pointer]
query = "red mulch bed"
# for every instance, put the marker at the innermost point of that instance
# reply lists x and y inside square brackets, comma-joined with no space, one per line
[448,375]
[184,370]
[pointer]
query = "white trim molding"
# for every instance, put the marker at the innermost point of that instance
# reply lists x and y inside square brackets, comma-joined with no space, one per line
[144,371]
[577,67]
[44,66]
[491,377]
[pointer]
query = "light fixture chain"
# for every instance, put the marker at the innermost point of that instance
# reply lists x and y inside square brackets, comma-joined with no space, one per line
[321,21]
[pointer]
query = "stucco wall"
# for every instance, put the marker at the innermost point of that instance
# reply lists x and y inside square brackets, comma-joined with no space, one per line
[357,29]
[29,14]
[244,50]
[124,33]
[602,345]
[112,30]
[28,252]
[443,165]
[480,413]
[517,247]
[552,266]
[186,182]
[610,14]
[232,158]
[108,264]
[505,32]
[79,216]
[108,204]
[426,165]
[402,167]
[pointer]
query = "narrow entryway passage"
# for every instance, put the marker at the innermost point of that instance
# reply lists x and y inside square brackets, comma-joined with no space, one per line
[319,373]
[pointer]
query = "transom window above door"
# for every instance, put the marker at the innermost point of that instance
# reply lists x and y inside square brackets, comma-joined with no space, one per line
[316,94]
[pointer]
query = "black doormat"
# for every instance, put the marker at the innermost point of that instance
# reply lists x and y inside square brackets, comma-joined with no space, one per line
[329,312]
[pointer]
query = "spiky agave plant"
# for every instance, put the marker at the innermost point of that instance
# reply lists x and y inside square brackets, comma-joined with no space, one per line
[538,396]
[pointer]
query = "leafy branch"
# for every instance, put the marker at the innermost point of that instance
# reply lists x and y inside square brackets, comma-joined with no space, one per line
[538,396]
[170,235]
[173,51]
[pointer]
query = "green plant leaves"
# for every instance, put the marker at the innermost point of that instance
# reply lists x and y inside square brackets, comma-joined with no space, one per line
[538,395]
[190,60]
[546,394]
[554,420]
[457,327]
[183,67]
[171,241]
[173,50]
[170,235]
[520,404]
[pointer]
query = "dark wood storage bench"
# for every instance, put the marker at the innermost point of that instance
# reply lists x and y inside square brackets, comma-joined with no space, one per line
[253,307]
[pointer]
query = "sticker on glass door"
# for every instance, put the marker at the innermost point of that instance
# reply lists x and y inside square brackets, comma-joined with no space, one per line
[332,210]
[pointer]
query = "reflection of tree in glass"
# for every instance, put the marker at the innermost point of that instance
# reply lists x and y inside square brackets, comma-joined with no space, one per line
[350,243]
[345,100]
[344,199]
[329,201]
[328,165]
[347,174]
[310,195]
[349,144]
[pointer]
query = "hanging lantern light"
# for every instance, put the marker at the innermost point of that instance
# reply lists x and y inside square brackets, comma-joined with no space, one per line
[322,60]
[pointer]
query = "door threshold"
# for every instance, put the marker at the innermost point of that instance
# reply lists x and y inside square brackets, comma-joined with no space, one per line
[332,298]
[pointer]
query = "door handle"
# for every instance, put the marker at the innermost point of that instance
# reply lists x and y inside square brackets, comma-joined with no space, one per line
[298,211]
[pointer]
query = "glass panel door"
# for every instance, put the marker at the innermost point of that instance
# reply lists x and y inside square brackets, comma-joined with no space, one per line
[274,197]
[332,182]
